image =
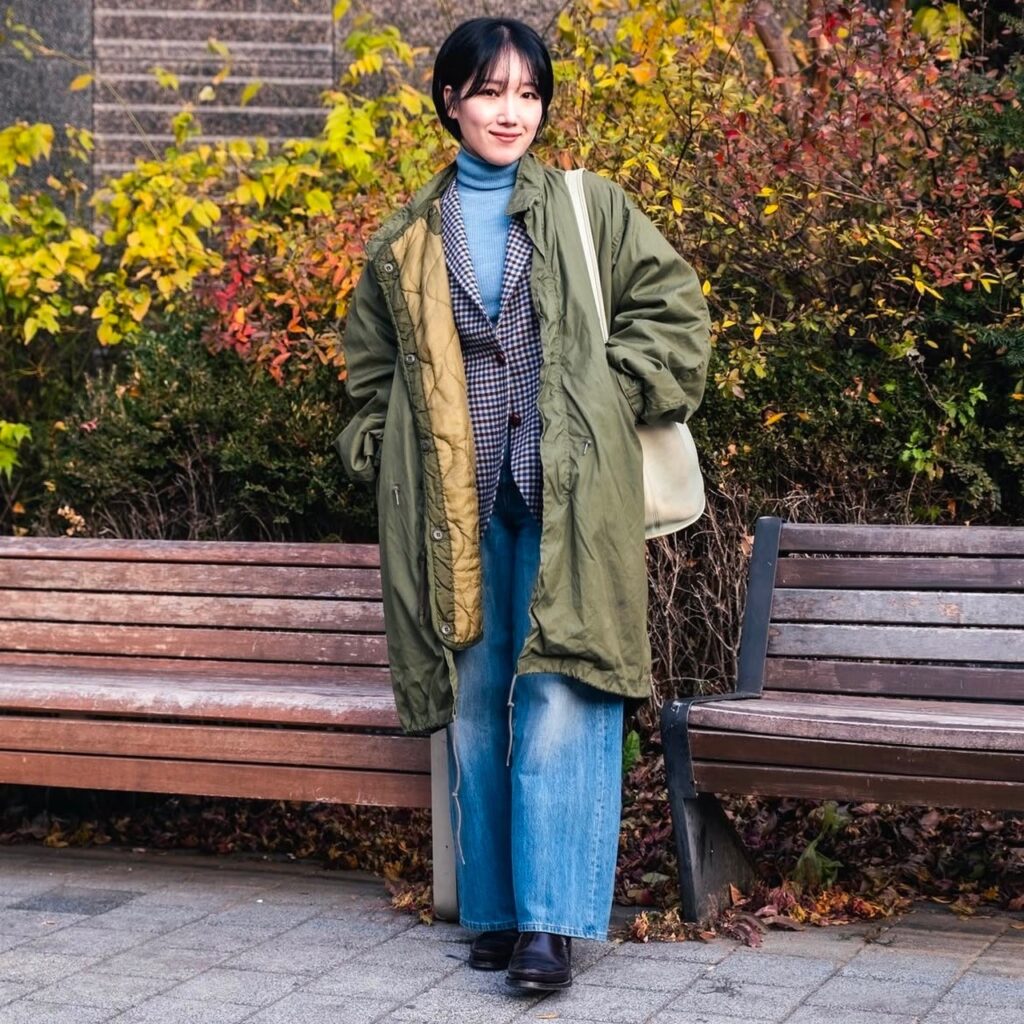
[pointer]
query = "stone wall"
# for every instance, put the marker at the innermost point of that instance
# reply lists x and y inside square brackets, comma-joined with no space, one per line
[292,46]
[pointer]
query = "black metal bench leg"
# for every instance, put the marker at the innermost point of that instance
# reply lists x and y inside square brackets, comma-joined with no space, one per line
[710,853]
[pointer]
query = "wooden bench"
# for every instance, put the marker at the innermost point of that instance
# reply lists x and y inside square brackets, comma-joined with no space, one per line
[876,663]
[208,668]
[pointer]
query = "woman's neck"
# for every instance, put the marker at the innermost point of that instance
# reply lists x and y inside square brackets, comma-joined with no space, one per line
[478,174]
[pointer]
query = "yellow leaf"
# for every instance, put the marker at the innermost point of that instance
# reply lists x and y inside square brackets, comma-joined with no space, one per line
[1018,396]
[758,331]
[249,93]
[207,94]
[774,418]
[706,288]
[677,205]
[80,82]
[340,9]
[770,209]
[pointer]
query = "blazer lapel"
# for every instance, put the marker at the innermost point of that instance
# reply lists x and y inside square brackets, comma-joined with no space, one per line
[456,246]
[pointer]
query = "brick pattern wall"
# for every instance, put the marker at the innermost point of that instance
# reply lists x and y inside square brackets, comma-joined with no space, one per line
[292,46]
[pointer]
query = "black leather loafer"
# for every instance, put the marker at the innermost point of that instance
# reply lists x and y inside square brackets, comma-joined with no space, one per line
[491,951]
[541,962]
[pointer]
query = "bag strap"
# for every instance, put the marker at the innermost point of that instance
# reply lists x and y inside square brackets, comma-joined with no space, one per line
[574,182]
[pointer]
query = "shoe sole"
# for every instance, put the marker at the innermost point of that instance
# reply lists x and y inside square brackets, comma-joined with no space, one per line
[537,986]
[488,966]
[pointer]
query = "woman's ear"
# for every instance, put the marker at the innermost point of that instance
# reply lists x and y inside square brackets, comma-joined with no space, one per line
[449,100]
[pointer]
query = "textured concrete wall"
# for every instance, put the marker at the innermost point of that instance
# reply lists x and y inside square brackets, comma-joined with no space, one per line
[292,46]
[37,90]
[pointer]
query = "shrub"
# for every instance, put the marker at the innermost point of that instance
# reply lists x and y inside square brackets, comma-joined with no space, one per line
[176,442]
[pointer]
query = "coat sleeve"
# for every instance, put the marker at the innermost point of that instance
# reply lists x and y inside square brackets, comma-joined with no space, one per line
[660,328]
[371,350]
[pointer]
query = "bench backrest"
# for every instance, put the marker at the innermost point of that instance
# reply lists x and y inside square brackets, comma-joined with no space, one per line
[258,609]
[909,611]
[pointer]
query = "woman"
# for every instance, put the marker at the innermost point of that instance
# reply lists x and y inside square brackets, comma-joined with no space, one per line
[500,430]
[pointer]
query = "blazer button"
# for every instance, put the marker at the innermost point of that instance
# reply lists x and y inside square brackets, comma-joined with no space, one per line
[515,420]
[499,358]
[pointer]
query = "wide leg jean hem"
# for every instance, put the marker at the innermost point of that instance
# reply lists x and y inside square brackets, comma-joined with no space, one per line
[489,926]
[600,935]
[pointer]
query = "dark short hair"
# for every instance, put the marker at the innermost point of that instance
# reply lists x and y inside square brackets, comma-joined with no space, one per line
[468,56]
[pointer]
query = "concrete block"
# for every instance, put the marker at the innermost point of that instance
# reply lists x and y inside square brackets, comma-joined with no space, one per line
[374,982]
[857,993]
[112,991]
[155,960]
[592,1002]
[284,957]
[987,990]
[655,975]
[69,899]
[452,1007]
[894,965]
[821,1015]
[23,1012]
[954,1013]
[724,997]
[404,954]
[250,988]
[1005,956]
[152,920]
[165,1010]
[225,940]
[36,968]
[86,941]
[775,969]
[691,952]
[32,924]
[309,1008]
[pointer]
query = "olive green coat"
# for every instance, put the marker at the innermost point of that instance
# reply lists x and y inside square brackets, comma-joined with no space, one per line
[411,433]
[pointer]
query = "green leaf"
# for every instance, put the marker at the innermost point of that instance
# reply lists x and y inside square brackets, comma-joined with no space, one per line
[11,437]
[630,750]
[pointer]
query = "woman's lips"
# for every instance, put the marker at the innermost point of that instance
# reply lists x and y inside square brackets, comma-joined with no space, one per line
[505,137]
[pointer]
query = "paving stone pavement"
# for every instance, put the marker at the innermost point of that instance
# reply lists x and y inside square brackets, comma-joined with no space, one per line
[90,936]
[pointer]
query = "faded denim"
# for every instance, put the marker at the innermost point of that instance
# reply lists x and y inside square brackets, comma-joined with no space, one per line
[535,763]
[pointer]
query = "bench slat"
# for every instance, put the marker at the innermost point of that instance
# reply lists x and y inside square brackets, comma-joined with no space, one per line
[897,643]
[214,743]
[966,682]
[125,694]
[891,721]
[226,552]
[902,573]
[815,784]
[942,608]
[198,642]
[156,578]
[174,609]
[797,752]
[254,672]
[974,540]
[206,778]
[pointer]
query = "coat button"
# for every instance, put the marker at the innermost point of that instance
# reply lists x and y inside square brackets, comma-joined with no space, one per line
[446,629]
[515,420]
[388,267]
[437,533]
[425,445]
[410,357]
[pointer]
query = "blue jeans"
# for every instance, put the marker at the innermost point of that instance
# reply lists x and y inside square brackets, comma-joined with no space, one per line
[535,763]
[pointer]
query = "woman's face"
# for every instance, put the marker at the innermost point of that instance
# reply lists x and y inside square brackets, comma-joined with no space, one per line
[499,123]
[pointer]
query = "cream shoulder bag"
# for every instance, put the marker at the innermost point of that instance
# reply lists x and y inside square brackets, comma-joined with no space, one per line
[673,484]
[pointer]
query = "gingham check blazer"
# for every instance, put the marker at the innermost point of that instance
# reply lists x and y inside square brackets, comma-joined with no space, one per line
[502,360]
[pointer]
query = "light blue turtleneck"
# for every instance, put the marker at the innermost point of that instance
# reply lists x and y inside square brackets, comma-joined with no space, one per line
[484,194]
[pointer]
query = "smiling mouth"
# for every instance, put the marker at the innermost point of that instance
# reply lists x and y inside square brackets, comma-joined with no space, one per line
[504,137]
